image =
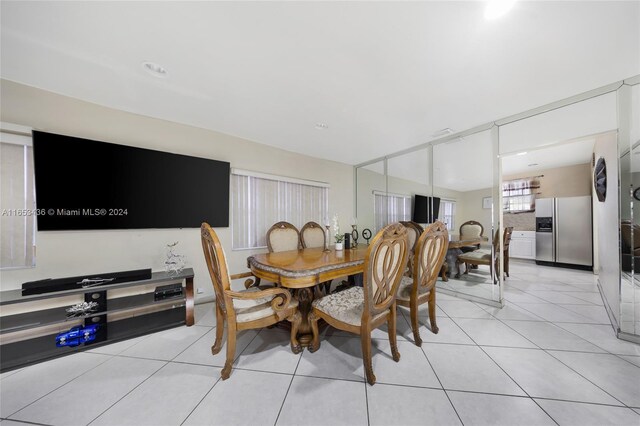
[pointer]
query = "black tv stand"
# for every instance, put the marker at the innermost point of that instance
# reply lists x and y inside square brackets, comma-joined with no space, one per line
[126,308]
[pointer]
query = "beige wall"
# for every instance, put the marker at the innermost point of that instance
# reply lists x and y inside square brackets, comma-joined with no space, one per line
[61,254]
[570,181]
[470,208]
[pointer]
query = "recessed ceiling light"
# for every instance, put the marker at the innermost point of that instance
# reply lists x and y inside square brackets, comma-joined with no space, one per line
[497,8]
[321,126]
[155,69]
[532,164]
[522,153]
[443,132]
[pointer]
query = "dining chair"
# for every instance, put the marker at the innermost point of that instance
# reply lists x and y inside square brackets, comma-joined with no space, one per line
[431,249]
[471,229]
[311,236]
[488,257]
[414,230]
[359,310]
[283,236]
[246,309]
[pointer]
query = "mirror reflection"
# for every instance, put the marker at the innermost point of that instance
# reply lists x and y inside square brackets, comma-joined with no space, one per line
[463,180]
[629,148]
[370,182]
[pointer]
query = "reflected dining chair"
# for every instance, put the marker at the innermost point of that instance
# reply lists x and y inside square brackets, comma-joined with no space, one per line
[283,236]
[361,309]
[471,229]
[418,289]
[488,257]
[414,230]
[245,309]
[311,236]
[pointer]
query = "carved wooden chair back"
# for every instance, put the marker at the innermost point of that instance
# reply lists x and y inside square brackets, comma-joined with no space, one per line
[216,263]
[384,265]
[414,231]
[471,229]
[312,235]
[431,250]
[283,236]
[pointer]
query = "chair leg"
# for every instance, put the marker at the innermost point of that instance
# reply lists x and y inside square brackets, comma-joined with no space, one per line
[296,320]
[365,337]
[415,326]
[432,311]
[219,331]
[327,287]
[231,350]
[315,340]
[392,329]
[506,265]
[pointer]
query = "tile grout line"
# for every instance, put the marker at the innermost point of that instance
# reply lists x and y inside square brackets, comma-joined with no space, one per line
[293,376]
[606,351]
[438,378]
[555,323]
[127,393]
[64,384]
[200,402]
[547,352]
[495,362]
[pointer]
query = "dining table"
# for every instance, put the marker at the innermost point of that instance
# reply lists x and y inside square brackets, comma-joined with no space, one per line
[456,242]
[302,270]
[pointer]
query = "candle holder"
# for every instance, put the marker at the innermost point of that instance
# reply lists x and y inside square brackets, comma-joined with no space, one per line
[366,234]
[326,237]
[354,236]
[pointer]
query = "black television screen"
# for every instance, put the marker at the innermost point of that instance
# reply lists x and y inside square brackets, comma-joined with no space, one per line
[425,209]
[83,184]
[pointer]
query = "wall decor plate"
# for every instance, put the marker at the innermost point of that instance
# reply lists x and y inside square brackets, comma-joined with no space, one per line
[600,179]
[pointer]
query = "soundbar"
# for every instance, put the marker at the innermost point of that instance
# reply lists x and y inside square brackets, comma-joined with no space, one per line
[49,285]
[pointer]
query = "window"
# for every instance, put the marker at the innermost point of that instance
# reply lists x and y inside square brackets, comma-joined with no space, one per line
[447,213]
[389,208]
[17,198]
[259,200]
[519,195]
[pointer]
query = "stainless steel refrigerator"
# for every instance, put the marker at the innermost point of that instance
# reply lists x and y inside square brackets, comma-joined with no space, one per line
[564,232]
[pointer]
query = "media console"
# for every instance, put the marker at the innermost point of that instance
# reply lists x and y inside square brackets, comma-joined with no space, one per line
[29,323]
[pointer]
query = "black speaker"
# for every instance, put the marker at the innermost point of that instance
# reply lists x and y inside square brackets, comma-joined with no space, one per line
[347,241]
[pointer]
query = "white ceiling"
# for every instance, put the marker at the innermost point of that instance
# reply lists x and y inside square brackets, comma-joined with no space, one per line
[383,76]
[560,155]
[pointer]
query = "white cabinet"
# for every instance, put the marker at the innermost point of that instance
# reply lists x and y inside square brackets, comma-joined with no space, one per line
[523,245]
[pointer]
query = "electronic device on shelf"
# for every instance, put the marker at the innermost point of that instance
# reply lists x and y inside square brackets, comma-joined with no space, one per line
[49,285]
[168,291]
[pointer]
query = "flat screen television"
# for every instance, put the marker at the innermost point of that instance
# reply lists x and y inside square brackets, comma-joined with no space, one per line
[83,184]
[425,209]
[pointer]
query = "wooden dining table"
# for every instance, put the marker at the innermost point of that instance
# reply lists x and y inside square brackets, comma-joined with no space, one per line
[302,270]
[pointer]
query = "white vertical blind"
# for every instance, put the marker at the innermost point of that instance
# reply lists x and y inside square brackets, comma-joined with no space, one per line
[259,202]
[447,213]
[17,201]
[389,208]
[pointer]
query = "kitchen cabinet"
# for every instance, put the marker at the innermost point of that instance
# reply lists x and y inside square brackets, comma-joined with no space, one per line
[523,245]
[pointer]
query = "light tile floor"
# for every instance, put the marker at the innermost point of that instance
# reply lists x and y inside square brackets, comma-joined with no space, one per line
[549,356]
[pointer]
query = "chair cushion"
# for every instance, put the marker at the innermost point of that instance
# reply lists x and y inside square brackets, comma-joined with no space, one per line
[283,239]
[475,255]
[346,306]
[253,309]
[404,291]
